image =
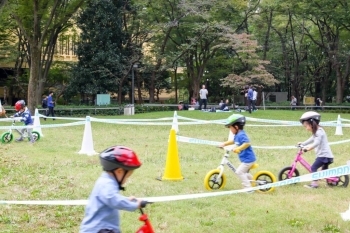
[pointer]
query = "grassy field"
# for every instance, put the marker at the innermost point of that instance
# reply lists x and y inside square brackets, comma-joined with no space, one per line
[53,170]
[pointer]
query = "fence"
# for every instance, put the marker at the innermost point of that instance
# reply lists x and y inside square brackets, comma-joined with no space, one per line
[164,107]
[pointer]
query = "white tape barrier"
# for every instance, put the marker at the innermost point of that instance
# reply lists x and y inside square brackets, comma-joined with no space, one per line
[275,123]
[43,126]
[332,172]
[215,143]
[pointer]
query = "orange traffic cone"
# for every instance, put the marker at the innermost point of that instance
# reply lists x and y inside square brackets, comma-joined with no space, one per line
[172,166]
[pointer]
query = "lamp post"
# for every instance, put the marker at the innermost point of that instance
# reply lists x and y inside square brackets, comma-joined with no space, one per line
[132,83]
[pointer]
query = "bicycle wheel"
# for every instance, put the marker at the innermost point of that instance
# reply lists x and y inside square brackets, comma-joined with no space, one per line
[342,182]
[6,137]
[212,182]
[283,174]
[36,136]
[262,178]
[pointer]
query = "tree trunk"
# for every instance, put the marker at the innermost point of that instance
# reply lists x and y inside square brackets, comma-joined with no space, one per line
[120,92]
[151,86]
[139,92]
[35,55]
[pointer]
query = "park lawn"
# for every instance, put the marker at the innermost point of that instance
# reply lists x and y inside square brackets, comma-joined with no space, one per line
[53,170]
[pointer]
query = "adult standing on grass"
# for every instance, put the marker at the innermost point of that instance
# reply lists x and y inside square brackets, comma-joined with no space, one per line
[203,95]
[293,102]
[50,105]
[250,99]
[255,96]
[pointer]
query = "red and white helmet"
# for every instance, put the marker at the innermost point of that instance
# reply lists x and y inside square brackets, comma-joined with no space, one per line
[20,104]
[119,157]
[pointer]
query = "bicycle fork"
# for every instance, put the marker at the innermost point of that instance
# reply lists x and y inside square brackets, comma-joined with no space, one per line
[147,227]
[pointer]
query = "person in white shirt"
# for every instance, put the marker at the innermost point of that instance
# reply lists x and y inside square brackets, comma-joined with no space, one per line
[203,93]
[255,95]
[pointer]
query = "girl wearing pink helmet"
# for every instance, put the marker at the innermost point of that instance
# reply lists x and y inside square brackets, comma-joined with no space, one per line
[318,141]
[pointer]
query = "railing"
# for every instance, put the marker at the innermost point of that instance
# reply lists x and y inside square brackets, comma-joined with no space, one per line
[62,111]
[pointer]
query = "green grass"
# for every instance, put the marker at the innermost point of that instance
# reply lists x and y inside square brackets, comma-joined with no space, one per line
[53,170]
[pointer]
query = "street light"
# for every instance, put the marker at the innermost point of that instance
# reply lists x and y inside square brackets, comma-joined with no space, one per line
[132,83]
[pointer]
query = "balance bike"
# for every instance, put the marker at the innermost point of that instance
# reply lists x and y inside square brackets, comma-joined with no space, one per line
[7,137]
[292,171]
[216,179]
[147,226]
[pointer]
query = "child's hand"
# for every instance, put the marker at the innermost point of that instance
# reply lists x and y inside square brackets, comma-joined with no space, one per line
[221,145]
[134,199]
[236,150]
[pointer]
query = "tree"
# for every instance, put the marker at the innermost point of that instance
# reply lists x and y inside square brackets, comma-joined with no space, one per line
[101,50]
[254,72]
[41,21]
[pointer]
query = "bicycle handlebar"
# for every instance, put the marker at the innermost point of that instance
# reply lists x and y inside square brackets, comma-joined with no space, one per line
[302,147]
[144,203]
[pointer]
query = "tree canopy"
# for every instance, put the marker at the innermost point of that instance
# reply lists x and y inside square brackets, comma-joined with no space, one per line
[300,47]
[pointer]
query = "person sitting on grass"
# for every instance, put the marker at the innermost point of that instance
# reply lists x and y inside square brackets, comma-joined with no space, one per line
[102,209]
[224,106]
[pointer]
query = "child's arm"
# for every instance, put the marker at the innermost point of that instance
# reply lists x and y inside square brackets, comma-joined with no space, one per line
[308,141]
[316,141]
[227,143]
[244,146]
[118,201]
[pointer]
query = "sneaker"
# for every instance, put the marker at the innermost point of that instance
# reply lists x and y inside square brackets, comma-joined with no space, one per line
[19,139]
[310,186]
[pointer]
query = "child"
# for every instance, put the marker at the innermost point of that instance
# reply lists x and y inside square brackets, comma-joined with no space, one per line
[324,155]
[244,150]
[102,210]
[26,117]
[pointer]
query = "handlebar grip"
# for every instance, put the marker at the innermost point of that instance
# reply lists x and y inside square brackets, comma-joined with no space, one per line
[144,203]
[304,150]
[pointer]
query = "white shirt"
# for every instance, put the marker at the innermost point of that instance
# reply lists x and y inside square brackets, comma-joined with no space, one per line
[255,94]
[203,93]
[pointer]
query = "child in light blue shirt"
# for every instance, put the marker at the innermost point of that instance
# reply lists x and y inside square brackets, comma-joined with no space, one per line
[102,210]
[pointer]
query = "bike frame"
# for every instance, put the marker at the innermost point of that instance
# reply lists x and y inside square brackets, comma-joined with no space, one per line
[299,159]
[147,227]
[227,162]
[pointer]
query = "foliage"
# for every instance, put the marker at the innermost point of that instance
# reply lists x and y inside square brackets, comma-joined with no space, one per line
[254,71]
[100,50]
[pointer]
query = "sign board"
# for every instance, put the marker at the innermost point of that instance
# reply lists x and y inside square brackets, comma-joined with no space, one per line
[103,99]
[309,100]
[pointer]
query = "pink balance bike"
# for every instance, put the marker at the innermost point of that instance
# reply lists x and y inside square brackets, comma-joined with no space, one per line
[147,226]
[292,171]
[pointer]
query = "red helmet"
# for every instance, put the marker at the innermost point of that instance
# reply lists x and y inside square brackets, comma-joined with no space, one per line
[19,105]
[119,157]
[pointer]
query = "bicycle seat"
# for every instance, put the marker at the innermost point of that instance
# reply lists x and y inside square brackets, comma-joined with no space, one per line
[255,165]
